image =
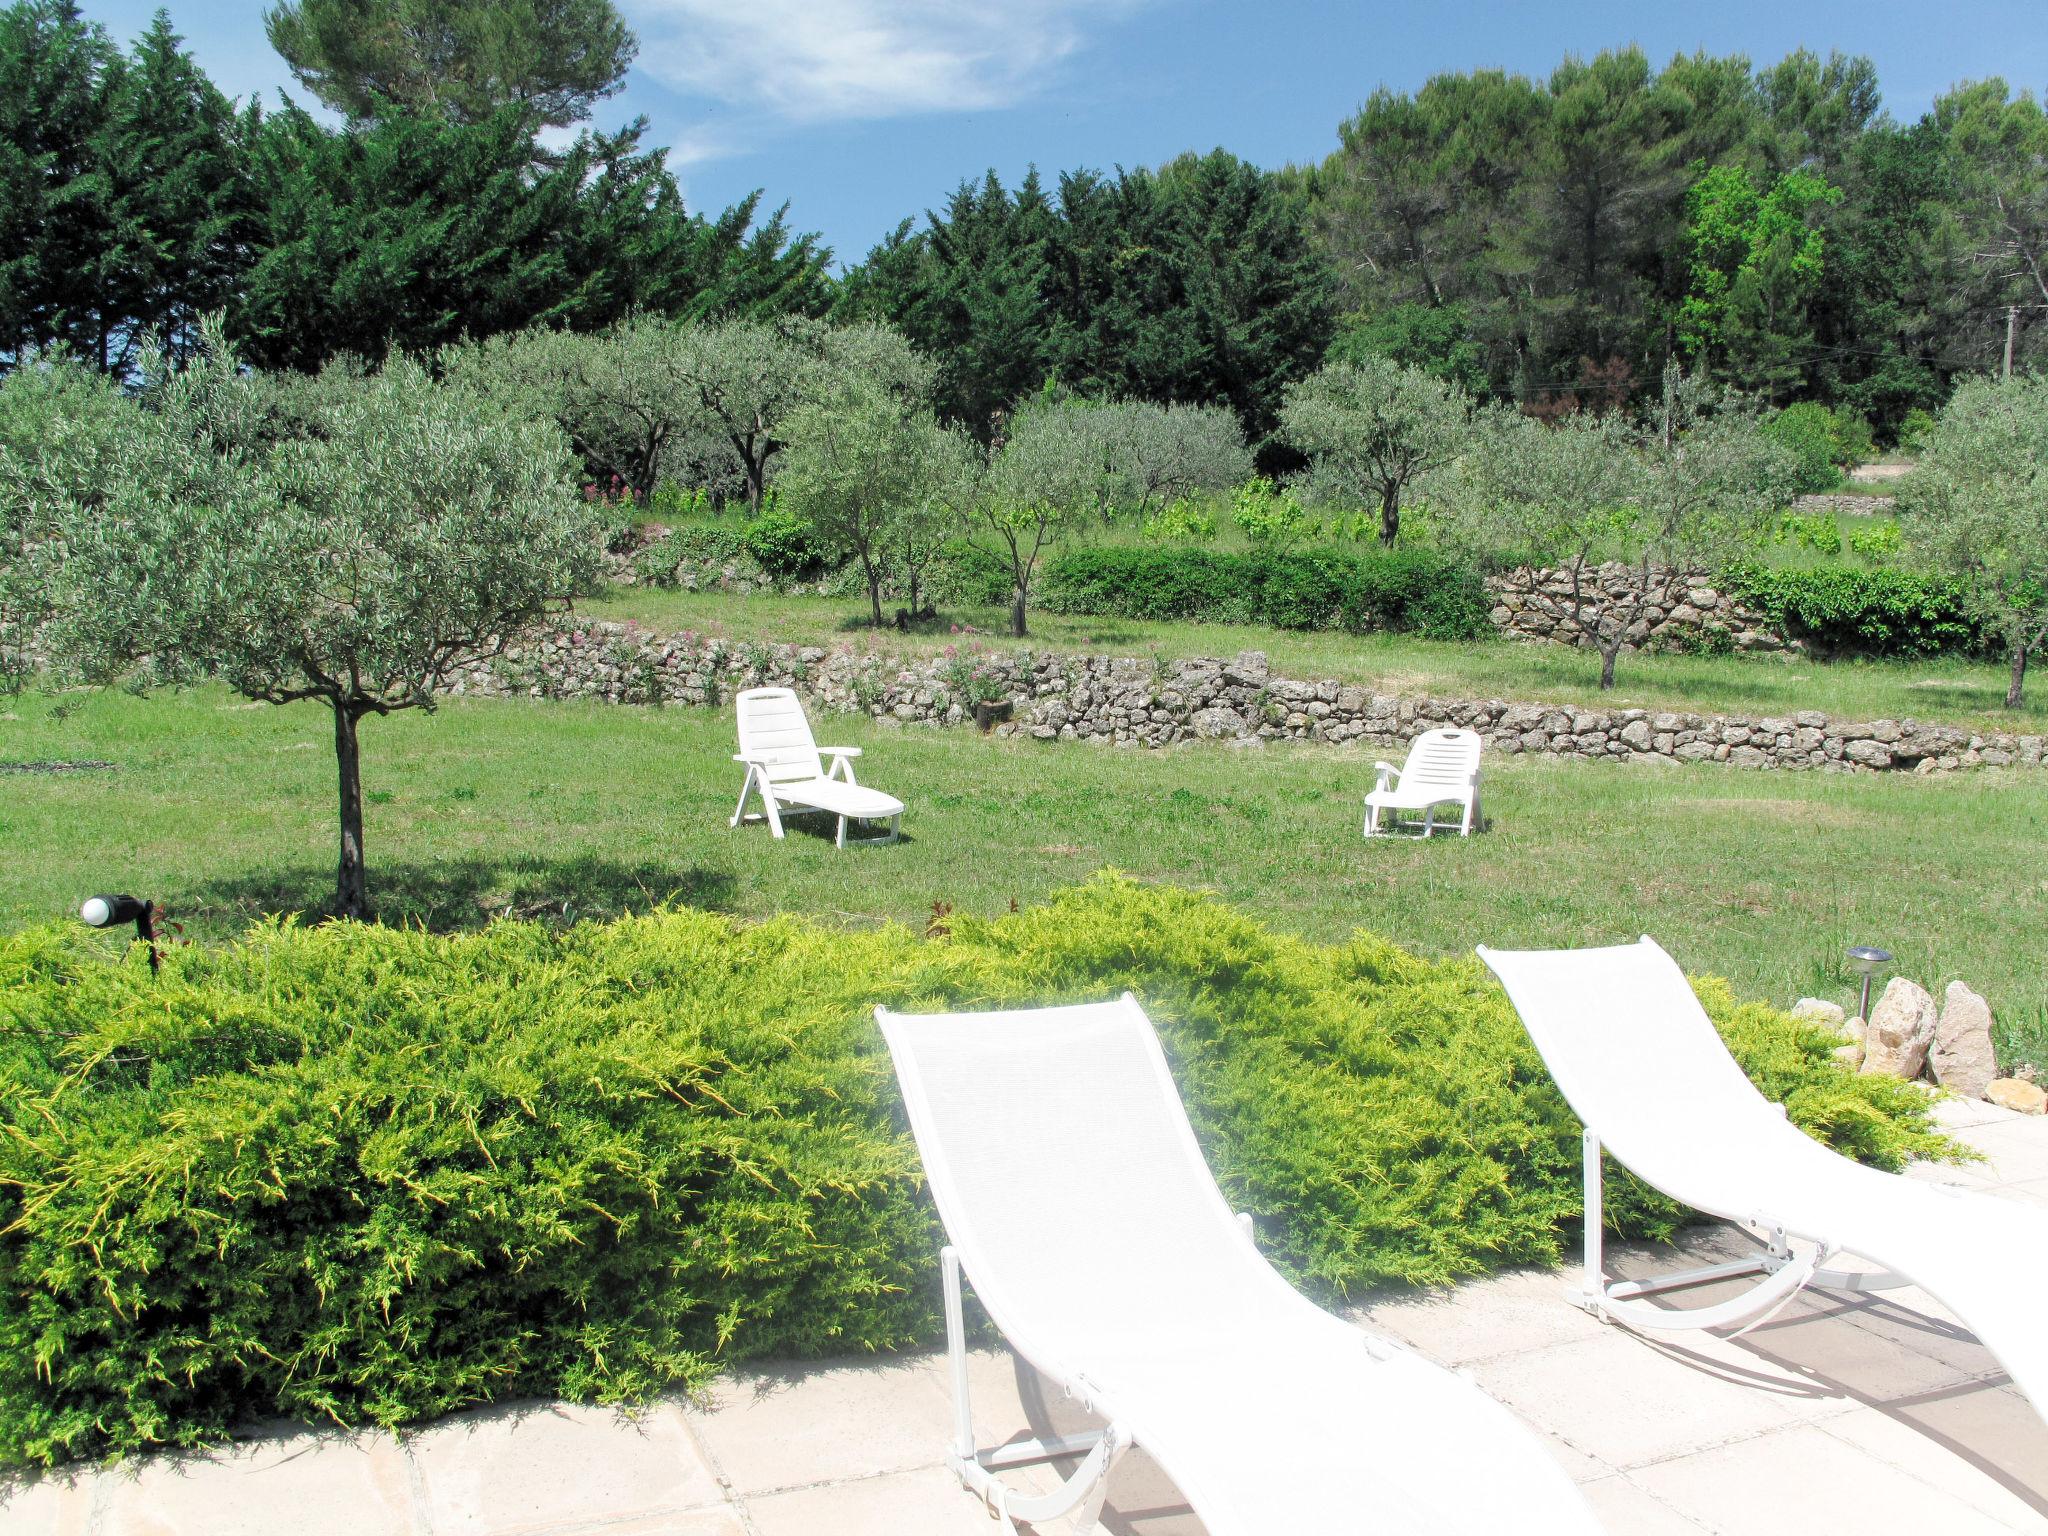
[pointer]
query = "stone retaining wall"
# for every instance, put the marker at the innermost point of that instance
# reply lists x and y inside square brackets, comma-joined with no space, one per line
[1126,701]
[1535,605]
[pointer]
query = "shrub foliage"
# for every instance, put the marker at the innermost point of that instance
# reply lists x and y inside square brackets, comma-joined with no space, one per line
[359,1174]
[1415,590]
[1847,610]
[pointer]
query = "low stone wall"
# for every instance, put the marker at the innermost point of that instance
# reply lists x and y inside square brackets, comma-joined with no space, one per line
[1126,701]
[1535,605]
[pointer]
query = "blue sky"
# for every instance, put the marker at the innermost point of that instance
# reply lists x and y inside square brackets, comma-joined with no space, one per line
[860,112]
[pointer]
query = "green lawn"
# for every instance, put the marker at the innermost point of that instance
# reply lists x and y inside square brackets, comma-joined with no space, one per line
[224,811]
[1961,692]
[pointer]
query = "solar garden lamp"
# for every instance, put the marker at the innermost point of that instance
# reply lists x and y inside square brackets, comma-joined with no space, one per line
[1867,960]
[106,911]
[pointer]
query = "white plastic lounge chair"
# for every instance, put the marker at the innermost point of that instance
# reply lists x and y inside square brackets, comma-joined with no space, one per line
[784,765]
[1442,769]
[1642,1065]
[1076,1199]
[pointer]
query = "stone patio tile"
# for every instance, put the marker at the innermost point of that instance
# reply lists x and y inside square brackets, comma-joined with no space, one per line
[1628,1510]
[1961,1114]
[926,1502]
[1982,1177]
[1806,1479]
[1824,1339]
[1984,1447]
[2033,1191]
[2018,1148]
[770,1431]
[1917,1324]
[1501,1315]
[1617,1397]
[312,1484]
[50,1504]
[1143,1501]
[559,1467]
[723,1521]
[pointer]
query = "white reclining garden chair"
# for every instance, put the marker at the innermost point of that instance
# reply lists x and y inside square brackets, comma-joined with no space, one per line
[784,765]
[1442,769]
[1078,1203]
[1643,1066]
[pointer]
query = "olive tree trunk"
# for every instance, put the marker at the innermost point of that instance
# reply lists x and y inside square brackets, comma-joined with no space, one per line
[351,881]
[1390,515]
[2019,676]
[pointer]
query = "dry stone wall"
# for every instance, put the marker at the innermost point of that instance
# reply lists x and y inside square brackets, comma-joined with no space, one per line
[1536,605]
[1133,702]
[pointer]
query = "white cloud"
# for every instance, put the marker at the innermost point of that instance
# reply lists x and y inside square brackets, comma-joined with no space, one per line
[813,61]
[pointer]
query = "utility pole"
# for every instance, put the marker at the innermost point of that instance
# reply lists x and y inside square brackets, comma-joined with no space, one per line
[2012,320]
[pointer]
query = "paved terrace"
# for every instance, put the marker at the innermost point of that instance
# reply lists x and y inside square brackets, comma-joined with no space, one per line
[1868,1414]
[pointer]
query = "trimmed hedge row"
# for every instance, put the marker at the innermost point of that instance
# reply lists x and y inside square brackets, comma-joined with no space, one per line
[362,1174]
[1417,591]
[1846,610]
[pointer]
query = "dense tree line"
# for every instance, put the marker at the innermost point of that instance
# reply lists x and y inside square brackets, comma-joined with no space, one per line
[1554,243]
[1560,240]
[134,197]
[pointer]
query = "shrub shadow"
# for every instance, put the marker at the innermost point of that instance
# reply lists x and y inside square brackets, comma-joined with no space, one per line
[457,895]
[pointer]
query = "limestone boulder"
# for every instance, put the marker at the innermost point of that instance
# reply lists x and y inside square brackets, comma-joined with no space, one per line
[1820,1011]
[1900,1030]
[1961,1056]
[2017,1093]
[1217,724]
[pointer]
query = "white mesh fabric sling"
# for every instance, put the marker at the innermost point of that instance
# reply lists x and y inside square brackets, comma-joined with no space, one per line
[1642,1065]
[1077,1201]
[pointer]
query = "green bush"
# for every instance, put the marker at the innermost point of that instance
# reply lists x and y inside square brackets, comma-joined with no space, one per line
[661,561]
[1416,590]
[784,543]
[1850,610]
[360,1174]
[1825,441]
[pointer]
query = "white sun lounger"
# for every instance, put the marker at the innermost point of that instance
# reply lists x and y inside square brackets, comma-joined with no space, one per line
[1643,1066]
[1442,769]
[785,767]
[1078,1203]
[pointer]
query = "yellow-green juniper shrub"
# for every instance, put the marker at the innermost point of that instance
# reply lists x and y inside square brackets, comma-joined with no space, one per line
[365,1174]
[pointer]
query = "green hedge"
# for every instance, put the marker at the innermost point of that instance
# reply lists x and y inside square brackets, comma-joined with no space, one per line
[361,1174]
[1418,591]
[1847,610]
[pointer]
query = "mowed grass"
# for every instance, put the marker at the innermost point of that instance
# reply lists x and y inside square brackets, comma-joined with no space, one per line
[224,812]
[1961,692]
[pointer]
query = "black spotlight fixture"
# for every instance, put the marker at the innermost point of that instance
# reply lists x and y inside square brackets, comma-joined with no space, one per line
[106,911]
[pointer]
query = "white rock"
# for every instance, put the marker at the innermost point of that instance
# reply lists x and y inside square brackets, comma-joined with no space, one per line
[1850,1054]
[1961,1056]
[1900,1031]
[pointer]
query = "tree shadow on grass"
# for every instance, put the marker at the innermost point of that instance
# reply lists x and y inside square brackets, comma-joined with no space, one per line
[456,895]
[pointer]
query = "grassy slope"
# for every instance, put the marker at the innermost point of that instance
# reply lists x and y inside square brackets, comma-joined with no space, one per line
[224,810]
[1965,693]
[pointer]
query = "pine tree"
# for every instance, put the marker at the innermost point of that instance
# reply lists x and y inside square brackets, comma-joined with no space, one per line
[54,214]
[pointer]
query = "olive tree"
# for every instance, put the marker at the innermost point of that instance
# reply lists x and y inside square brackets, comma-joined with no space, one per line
[650,394]
[59,424]
[350,541]
[1043,479]
[1153,454]
[620,394]
[877,478]
[745,379]
[1628,516]
[1374,428]
[1976,509]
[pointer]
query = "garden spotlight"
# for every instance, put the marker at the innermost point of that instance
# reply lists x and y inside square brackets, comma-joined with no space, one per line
[1867,961]
[105,911]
